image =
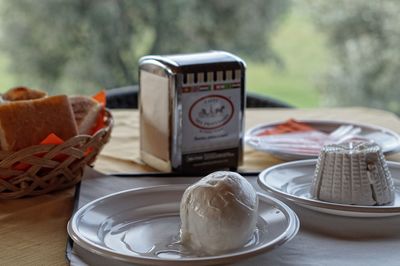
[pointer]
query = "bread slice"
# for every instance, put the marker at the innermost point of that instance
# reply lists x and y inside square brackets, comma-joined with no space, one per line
[86,111]
[23,93]
[27,123]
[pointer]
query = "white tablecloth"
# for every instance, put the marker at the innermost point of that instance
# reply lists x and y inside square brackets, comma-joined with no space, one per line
[323,239]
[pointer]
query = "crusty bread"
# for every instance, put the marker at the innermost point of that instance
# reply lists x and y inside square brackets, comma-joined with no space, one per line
[86,111]
[27,123]
[23,93]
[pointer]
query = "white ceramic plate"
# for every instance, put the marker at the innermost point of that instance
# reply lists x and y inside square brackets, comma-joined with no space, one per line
[142,226]
[293,180]
[387,139]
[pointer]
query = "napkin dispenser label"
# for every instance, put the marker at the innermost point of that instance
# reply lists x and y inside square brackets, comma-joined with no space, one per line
[191,111]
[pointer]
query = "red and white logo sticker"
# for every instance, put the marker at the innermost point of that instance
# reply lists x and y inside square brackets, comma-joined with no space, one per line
[211,112]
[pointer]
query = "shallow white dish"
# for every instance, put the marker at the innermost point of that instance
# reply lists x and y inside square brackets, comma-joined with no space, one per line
[292,180]
[387,139]
[142,226]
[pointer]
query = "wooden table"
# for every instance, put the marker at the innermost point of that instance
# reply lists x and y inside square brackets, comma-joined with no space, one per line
[33,230]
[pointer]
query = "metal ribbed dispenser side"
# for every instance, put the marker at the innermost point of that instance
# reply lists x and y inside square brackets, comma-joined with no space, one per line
[192,111]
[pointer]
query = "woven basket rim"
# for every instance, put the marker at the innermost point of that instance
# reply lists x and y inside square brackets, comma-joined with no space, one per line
[43,168]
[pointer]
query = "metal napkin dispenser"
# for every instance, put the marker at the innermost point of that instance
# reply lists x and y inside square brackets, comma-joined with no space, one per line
[192,111]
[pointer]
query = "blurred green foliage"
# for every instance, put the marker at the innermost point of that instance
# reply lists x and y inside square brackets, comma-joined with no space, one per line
[305,56]
[364,37]
[80,46]
[83,45]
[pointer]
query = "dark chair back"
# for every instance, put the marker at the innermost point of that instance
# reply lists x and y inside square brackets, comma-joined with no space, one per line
[127,97]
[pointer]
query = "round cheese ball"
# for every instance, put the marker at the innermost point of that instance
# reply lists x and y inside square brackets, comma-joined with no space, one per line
[218,213]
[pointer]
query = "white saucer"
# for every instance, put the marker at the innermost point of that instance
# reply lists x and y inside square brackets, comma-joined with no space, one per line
[142,226]
[387,139]
[293,180]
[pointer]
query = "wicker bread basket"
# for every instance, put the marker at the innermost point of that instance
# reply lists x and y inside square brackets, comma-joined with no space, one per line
[47,171]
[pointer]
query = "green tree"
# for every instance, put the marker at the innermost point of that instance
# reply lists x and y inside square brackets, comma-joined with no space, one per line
[364,37]
[84,45]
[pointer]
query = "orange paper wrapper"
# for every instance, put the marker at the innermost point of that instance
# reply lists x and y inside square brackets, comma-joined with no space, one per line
[100,97]
[289,126]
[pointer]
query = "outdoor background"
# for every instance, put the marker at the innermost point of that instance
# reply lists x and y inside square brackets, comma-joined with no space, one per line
[306,53]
